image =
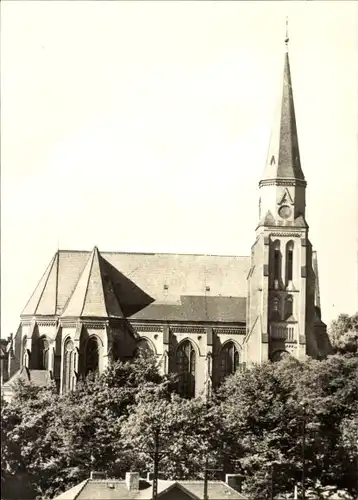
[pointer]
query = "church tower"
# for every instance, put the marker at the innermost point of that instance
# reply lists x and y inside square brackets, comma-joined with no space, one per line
[281,282]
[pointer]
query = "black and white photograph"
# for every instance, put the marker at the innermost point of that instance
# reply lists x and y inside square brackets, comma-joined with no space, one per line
[179,250]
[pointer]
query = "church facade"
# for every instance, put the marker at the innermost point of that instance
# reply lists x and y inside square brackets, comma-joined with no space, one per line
[203,316]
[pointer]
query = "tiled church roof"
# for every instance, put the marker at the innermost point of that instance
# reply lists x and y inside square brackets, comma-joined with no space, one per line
[198,308]
[94,293]
[143,286]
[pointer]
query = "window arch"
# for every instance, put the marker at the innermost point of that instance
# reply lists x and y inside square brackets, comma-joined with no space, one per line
[43,353]
[275,309]
[144,346]
[68,365]
[186,364]
[277,260]
[92,355]
[289,261]
[288,306]
[229,359]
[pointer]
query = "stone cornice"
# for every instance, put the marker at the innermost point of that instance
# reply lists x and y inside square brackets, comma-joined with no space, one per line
[148,328]
[282,182]
[98,325]
[239,330]
[187,329]
[44,322]
[289,234]
[90,323]
[191,329]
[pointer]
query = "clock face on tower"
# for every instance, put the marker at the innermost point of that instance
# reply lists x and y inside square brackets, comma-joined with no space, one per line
[284,211]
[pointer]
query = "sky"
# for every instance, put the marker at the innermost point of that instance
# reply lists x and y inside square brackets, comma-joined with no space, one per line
[144,126]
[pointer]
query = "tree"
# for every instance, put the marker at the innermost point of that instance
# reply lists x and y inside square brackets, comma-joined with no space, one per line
[56,440]
[343,333]
[266,409]
[189,433]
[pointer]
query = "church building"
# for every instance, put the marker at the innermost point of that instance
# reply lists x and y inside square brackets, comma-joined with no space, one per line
[203,316]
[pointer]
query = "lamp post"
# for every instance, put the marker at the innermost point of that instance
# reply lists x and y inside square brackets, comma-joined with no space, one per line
[156,463]
[303,450]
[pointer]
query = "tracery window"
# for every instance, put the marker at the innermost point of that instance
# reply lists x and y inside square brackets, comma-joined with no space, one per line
[275,312]
[229,360]
[144,347]
[276,261]
[92,355]
[43,353]
[186,363]
[289,260]
[288,307]
[68,365]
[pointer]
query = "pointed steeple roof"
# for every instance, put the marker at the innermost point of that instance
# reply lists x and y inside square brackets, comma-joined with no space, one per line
[283,159]
[44,298]
[94,294]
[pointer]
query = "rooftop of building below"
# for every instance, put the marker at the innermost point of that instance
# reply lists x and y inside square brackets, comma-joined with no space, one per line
[98,486]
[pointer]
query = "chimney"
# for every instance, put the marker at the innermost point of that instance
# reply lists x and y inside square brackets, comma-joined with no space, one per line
[234,481]
[150,476]
[132,481]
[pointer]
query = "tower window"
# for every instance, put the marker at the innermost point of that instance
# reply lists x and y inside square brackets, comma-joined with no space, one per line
[289,261]
[276,262]
[276,271]
[288,307]
[275,309]
[289,265]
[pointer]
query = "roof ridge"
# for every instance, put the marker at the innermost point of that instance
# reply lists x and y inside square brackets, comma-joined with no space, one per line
[88,280]
[85,482]
[46,281]
[128,252]
[48,268]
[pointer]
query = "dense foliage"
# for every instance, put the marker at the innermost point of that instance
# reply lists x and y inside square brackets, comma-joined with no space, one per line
[344,334]
[255,423]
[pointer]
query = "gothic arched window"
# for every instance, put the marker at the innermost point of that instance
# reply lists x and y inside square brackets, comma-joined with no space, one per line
[43,353]
[68,365]
[144,347]
[275,312]
[25,356]
[92,355]
[276,260]
[288,307]
[289,261]
[185,364]
[229,360]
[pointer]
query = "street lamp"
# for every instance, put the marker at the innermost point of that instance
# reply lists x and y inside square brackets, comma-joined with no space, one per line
[303,448]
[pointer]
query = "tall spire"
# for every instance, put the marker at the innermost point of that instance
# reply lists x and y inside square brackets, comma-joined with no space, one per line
[283,160]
